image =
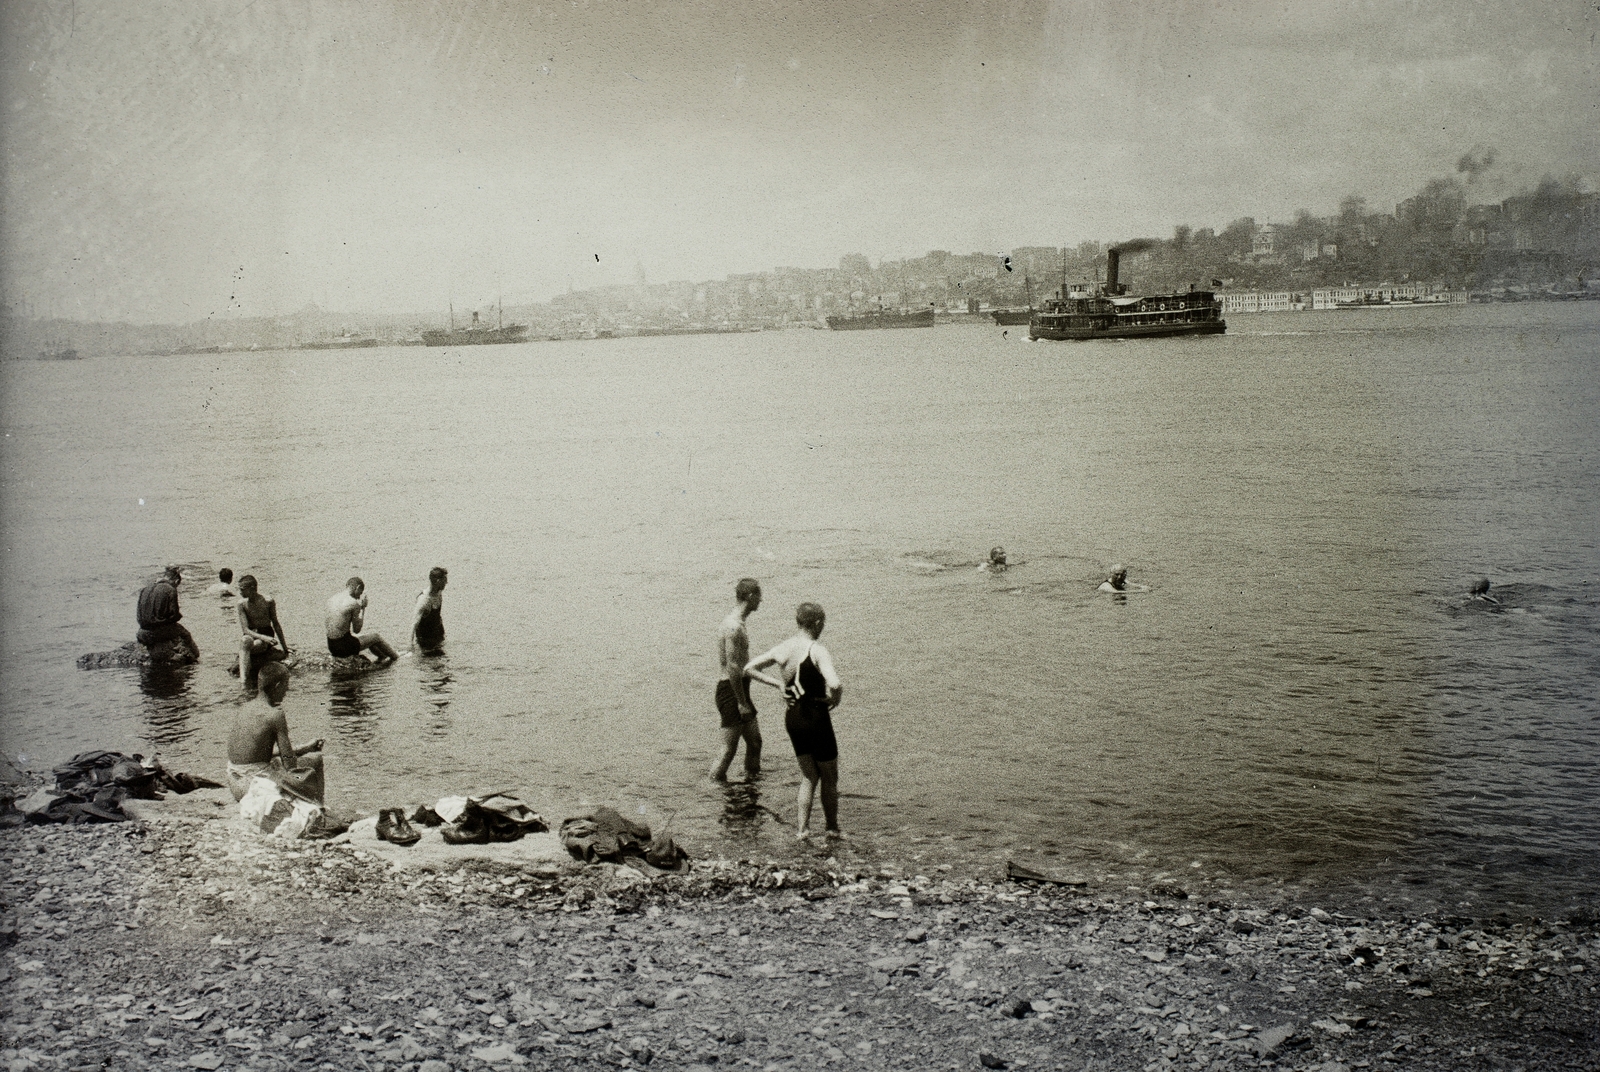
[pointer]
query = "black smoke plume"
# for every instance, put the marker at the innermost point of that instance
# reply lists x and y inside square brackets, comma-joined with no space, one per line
[1138,245]
[1476,162]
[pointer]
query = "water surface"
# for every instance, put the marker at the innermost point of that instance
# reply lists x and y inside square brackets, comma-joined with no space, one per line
[1303,694]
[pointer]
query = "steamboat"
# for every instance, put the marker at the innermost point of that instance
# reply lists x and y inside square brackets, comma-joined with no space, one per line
[1108,311]
[477,335]
[883,318]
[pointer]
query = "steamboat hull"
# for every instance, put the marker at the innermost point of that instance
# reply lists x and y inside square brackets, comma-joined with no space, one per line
[1038,330]
[869,321]
[476,336]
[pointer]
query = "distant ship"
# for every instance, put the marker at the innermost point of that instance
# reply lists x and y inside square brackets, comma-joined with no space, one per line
[1109,312]
[344,342]
[1017,316]
[475,335]
[882,318]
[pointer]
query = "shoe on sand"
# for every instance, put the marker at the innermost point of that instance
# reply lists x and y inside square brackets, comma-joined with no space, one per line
[426,816]
[402,832]
[470,831]
[386,824]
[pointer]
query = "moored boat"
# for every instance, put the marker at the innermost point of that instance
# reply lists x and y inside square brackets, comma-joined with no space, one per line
[883,318]
[476,335]
[1109,312]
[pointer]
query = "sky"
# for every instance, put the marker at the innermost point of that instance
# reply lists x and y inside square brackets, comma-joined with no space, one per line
[173,160]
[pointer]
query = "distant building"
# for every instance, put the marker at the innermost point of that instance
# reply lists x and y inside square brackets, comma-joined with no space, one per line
[855,264]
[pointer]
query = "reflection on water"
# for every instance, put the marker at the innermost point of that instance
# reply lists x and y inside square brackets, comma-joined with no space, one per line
[167,707]
[743,813]
[351,709]
[437,691]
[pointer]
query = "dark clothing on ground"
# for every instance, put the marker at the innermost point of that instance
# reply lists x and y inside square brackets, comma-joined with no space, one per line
[345,646]
[728,706]
[430,629]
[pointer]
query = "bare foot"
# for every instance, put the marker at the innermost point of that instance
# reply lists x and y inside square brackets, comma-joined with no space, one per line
[804,835]
[836,834]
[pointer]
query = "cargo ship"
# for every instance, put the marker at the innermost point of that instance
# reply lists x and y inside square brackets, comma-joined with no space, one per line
[1108,311]
[882,318]
[476,335]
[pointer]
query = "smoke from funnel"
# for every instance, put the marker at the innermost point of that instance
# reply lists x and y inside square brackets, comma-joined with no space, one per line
[1138,245]
[1476,162]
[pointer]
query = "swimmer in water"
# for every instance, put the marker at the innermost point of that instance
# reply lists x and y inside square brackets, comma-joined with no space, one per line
[997,561]
[1480,590]
[1118,582]
[224,585]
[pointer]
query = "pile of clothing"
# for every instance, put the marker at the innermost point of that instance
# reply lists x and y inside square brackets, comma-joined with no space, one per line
[476,820]
[608,836]
[91,786]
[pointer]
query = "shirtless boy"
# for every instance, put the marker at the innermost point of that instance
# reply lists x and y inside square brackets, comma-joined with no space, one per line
[733,691]
[427,628]
[263,640]
[258,728]
[346,615]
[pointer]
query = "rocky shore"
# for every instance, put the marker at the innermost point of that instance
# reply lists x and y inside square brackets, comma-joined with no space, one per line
[182,941]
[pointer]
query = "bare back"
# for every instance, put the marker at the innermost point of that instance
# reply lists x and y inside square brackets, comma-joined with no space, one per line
[256,729]
[344,615]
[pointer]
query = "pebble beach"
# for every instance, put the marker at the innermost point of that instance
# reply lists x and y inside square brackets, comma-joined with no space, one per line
[182,940]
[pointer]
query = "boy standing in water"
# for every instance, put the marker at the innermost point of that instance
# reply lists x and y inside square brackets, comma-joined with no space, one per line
[733,691]
[812,689]
[427,627]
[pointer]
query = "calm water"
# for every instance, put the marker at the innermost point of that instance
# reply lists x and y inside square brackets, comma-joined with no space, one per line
[1301,695]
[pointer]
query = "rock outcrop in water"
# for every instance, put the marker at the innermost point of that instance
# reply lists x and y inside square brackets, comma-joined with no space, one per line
[297,664]
[175,652]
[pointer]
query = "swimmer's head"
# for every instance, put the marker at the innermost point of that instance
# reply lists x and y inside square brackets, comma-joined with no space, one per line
[355,585]
[247,585]
[997,556]
[1119,576]
[810,617]
[438,577]
[748,590]
[225,575]
[1481,587]
[172,576]
[274,683]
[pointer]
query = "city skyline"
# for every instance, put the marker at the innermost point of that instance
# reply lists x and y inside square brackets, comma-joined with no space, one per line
[170,163]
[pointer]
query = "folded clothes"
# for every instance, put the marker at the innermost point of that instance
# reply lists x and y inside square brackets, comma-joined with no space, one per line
[495,816]
[270,808]
[608,835]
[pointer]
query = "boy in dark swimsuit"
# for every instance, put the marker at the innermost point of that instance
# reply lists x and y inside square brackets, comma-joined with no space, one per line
[812,690]
[427,627]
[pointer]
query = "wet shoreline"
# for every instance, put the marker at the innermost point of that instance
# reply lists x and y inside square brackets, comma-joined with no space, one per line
[183,939]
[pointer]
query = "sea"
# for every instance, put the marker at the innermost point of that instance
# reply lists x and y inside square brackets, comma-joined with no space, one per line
[1301,693]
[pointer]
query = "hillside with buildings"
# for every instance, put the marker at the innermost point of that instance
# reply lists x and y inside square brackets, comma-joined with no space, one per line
[1433,246]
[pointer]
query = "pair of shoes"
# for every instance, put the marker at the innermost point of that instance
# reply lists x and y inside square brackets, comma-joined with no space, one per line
[392,827]
[426,816]
[471,830]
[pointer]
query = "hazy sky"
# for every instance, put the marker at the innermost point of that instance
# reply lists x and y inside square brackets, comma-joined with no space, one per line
[167,161]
